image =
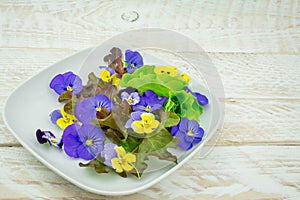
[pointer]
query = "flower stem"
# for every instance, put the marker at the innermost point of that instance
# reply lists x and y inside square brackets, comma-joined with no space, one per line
[137,171]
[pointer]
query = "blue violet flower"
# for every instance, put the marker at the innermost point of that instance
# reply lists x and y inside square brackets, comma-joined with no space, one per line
[188,131]
[134,60]
[66,82]
[84,142]
[87,109]
[149,102]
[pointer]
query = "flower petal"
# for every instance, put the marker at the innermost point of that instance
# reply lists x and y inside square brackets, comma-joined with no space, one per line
[138,127]
[85,110]
[109,153]
[120,151]
[85,153]
[71,143]
[116,165]
[129,157]
[126,166]
[55,115]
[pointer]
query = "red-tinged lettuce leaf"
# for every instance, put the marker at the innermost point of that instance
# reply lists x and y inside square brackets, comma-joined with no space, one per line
[65,97]
[156,145]
[97,164]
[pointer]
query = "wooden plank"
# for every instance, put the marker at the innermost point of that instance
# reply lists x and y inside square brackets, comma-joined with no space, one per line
[247,121]
[218,26]
[246,172]
[243,75]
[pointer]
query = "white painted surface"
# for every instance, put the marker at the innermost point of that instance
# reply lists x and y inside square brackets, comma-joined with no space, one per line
[254,45]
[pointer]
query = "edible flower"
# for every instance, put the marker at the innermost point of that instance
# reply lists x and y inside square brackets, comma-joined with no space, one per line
[87,109]
[185,77]
[170,70]
[149,102]
[108,75]
[134,60]
[188,131]
[123,161]
[61,118]
[142,122]
[45,136]
[132,98]
[66,82]
[84,142]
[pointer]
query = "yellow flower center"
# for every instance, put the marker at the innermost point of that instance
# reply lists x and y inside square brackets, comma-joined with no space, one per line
[69,88]
[132,65]
[89,142]
[99,108]
[190,133]
[148,108]
[130,100]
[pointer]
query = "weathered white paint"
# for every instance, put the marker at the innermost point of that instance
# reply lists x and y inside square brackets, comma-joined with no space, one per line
[254,45]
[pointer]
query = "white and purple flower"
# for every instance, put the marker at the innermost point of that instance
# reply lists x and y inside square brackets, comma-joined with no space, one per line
[132,98]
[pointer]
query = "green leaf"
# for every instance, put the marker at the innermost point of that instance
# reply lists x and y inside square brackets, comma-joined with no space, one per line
[157,146]
[97,164]
[188,106]
[145,78]
[172,120]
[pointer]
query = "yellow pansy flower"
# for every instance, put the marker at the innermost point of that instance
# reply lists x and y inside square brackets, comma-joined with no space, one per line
[106,76]
[170,70]
[65,120]
[185,77]
[147,124]
[123,161]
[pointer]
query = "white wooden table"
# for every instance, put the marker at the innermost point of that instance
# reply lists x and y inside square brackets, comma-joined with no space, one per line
[255,46]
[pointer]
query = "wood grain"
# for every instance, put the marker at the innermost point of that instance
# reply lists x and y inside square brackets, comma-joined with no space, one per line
[218,26]
[255,46]
[247,172]
[243,75]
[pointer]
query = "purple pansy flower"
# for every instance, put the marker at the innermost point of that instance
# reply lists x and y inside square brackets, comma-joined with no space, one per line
[44,137]
[109,153]
[132,98]
[188,131]
[149,102]
[66,82]
[134,60]
[201,99]
[87,109]
[55,115]
[84,142]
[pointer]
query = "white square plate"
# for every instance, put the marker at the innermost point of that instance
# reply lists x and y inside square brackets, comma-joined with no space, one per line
[28,108]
